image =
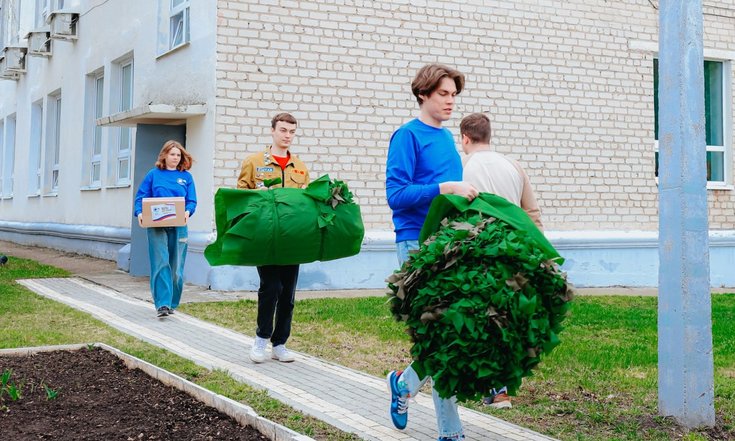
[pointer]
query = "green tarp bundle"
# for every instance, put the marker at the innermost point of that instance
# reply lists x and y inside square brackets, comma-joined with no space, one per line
[285,226]
[483,298]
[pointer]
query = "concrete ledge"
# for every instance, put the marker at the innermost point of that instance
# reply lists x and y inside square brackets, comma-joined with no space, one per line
[593,258]
[241,413]
[93,240]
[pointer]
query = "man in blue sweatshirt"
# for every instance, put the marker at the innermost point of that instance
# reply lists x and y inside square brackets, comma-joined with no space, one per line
[423,162]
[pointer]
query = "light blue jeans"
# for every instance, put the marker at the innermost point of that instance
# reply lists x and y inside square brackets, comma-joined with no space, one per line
[447,413]
[167,251]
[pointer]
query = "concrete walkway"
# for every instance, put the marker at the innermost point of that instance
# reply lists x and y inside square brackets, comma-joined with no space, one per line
[350,400]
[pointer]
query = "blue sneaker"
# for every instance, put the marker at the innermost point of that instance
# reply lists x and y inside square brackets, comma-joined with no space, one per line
[398,400]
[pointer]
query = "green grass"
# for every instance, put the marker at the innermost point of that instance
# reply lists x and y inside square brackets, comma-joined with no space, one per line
[30,320]
[599,384]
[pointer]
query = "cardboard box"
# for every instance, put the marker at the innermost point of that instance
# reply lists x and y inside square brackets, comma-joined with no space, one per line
[163,212]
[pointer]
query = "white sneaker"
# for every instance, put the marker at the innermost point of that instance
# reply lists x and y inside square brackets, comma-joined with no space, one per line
[257,352]
[280,353]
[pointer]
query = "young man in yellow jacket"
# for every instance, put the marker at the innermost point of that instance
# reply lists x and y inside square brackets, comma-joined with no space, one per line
[277,290]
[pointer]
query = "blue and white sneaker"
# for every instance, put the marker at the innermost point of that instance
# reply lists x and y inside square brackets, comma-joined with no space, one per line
[398,400]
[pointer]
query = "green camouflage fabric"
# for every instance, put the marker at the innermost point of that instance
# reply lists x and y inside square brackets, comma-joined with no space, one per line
[483,298]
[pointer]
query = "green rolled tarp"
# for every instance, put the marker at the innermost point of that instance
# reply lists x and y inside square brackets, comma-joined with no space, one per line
[285,226]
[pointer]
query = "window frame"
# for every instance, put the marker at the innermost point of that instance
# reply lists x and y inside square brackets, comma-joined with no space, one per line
[173,11]
[124,96]
[35,153]
[168,11]
[93,137]
[53,143]
[9,23]
[2,24]
[7,172]
[99,102]
[727,125]
[2,155]
[43,12]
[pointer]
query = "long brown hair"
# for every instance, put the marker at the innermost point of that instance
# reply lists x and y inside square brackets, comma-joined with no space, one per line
[186,159]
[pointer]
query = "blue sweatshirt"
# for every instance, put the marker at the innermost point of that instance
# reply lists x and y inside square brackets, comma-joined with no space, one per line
[420,157]
[167,183]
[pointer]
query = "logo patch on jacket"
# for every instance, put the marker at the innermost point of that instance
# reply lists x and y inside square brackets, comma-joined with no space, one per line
[264,169]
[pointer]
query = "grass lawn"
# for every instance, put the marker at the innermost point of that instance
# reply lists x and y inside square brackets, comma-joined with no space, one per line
[599,384]
[27,319]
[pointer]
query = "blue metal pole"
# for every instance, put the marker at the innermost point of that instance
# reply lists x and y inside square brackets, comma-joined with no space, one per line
[685,377]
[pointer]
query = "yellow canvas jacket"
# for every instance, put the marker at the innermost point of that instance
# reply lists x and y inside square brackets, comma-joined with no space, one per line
[260,166]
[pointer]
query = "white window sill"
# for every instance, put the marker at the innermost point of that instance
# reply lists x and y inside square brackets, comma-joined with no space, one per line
[172,50]
[51,195]
[113,187]
[713,186]
[34,195]
[91,188]
[8,197]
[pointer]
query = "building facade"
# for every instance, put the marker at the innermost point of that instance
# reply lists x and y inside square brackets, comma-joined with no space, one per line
[570,88]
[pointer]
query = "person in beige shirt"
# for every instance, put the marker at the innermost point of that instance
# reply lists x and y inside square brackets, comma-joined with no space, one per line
[493,172]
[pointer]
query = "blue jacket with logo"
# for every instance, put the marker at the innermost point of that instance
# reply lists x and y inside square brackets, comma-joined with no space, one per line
[167,183]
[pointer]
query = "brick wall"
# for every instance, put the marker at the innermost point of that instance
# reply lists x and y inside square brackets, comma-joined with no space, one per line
[567,86]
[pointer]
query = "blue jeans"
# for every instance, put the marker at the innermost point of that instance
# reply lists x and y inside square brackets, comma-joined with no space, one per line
[167,251]
[447,413]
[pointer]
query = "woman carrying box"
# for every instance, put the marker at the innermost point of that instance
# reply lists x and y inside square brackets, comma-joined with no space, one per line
[167,245]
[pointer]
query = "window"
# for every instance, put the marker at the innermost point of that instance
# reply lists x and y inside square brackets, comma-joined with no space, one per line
[9,22]
[53,142]
[92,168]
[178,23]
[124,102]
[43,10]
[3,24]
[7,158]
[34,162]
[716,125]
[173,24]
[2,154]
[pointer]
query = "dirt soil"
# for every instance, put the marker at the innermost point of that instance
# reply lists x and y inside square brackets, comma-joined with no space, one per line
[99,398]
[72,262]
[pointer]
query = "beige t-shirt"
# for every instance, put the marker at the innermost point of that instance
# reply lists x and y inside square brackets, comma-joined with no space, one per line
[492,172]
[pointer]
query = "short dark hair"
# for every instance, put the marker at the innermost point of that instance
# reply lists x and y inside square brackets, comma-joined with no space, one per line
[427,79]
[285,117]
[477,127]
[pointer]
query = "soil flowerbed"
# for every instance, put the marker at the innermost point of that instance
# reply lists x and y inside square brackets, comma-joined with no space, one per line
[99,398]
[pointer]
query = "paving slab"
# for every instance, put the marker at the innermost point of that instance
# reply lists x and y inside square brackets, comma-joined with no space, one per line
[350,400]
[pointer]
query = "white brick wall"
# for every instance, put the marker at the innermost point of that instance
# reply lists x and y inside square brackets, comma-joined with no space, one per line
[567,94]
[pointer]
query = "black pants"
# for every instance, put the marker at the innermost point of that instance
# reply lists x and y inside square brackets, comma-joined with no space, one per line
[276,296]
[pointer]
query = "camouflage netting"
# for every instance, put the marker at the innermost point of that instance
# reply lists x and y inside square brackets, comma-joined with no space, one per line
[482,300]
